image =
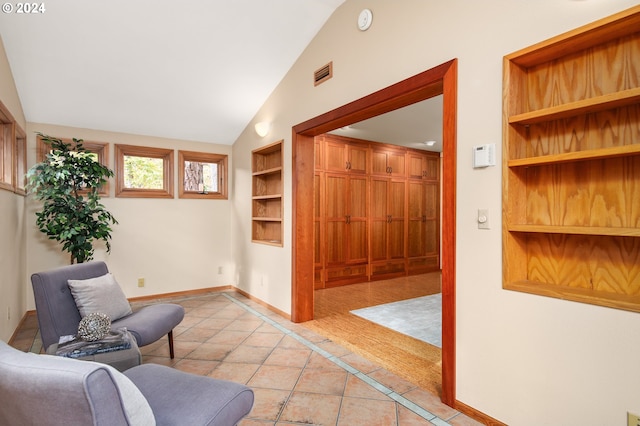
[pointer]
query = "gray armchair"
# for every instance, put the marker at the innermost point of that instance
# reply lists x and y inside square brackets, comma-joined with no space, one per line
[45,389]
[58,314]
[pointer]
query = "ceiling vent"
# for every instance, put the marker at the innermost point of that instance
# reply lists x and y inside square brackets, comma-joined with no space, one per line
[323,74]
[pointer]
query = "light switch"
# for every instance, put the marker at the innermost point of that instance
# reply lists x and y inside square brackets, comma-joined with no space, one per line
[483,219]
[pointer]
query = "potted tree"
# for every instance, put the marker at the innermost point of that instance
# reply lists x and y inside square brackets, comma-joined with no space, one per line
[67,182]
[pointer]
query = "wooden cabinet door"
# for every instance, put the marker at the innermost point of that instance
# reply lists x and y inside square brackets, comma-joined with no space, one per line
[379,218]
[423,165]
[357,158]
[432,170]
[417,163]
[397,220]
[343,157]
[318,157]
[335,156]
[387,226]
[346,219]
[423,239]
[357,219]
[432,213]
[397,163]
[388,162]
[318,230]
[416,237]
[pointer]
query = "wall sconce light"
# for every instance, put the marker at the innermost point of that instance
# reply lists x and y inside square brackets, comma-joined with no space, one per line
[262,128]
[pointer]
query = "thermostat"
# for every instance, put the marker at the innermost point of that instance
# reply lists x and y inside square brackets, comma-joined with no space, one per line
[484,155]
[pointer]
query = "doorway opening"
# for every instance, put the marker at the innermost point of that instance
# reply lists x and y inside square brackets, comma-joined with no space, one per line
[390,322]
[440,80]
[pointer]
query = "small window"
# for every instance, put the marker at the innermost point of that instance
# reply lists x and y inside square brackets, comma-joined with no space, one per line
[98,150]
[6,154]
[144,172]
[13,153]
[20,162]
[202,175]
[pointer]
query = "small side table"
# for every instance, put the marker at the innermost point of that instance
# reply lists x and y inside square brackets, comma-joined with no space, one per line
[121,360]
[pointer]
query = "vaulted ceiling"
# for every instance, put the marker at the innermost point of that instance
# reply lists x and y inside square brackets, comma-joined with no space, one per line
[191,69]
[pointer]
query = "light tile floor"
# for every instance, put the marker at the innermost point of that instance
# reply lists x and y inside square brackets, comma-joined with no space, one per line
[298,376]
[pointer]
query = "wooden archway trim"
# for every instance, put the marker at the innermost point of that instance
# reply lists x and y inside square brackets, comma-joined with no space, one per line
[435,81]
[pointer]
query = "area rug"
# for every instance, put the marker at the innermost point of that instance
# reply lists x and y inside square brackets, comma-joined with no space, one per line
[420,318]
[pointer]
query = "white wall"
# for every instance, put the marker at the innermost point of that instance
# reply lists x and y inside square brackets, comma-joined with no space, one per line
[12,244]
[175,244]
[12,255]
[522,359]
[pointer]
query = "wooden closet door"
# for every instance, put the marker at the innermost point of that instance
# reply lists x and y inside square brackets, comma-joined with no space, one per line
[336,210]
[397,231]
[423,245]
[387,226]
[318,230]
[346,226]
[357,219]
[379,218]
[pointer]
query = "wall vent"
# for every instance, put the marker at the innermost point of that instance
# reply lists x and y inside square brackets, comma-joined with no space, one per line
[323,74]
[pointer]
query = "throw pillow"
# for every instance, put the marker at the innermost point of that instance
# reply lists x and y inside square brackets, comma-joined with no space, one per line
[100,294]
[136,406]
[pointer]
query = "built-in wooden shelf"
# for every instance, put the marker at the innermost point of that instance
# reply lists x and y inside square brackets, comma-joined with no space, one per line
[577,230]
[573,109]
[267,197]
[571,179]
[267,194]
[593,154]
[576,294]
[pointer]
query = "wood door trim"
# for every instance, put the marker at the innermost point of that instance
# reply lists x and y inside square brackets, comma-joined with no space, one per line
[441,79]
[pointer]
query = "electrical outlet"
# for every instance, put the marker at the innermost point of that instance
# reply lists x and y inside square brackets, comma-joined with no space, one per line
[8,313]
[140,282]
[220,270]
[633,419]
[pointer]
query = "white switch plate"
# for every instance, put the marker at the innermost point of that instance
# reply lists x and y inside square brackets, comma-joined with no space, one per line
[483,219]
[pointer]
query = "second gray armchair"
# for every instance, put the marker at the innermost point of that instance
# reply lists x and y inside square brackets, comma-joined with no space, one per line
[59,314]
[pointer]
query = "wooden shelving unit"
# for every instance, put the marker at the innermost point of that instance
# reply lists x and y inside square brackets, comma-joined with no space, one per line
[266,164]
[571,167]
[376,211]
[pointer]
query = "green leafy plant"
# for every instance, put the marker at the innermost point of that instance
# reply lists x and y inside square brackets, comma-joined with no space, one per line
[67,182]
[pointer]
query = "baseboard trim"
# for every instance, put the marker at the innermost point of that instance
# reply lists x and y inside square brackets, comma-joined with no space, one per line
[477,415]
[263,303]
[22,320]
[196,292]
[201,291]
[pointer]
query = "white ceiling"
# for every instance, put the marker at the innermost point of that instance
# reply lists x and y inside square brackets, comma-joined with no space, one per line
[191,69]
[410,126]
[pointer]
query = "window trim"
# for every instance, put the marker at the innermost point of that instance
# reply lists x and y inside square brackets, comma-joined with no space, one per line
[7,146]
[203,157]
[101,149]
[166,155]
[20,161]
